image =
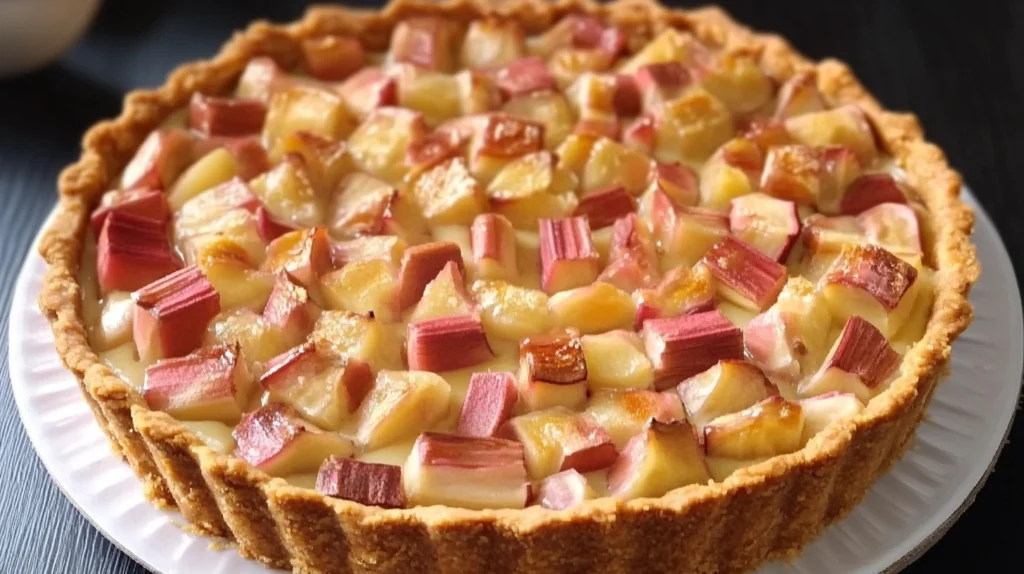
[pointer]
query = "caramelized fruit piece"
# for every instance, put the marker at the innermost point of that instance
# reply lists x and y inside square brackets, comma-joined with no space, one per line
[469,472]
[610,163]
[231,271]
[563,490]
[290,309]
[276,440]
[447,194]
[685,233]
[306,108]
[256,338]
[325,162]
[662,82]
[360,337]
[425,41]
[133,251]
[287,193]
[525,76]
[846,125]
[367,90]
[493,241]
[444,296]
[436,95]
[823,410]
[893,226]
[171,314]
[663,457]
[680,347]
[359,206]
[363,482]
[379,144]
[558,439]
[333,58]
[499,140]
[768,224]
[632,260]
[596,308]
[213,384]
[431,342]
[771,427]
[552,371]
[691,127]
[260,79]
[727,387]
[567,254]
[868,281]
[366,287]
[232,117]
[549,109]
[738,81]
[860,360]
[678,182]
[420,264]
[400,405]
[114,327]
[799,95]
[490,400]
[744,275]
[623,413]
[511,312]
[305,255]
[533,187]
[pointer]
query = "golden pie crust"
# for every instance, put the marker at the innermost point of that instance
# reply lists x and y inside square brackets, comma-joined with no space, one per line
[763,512]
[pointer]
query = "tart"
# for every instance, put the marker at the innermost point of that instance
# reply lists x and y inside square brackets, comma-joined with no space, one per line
[551,286]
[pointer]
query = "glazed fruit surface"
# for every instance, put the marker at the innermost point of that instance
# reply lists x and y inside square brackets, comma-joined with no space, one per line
[488,270]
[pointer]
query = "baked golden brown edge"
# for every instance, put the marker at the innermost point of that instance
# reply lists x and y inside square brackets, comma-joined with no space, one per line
[769,510]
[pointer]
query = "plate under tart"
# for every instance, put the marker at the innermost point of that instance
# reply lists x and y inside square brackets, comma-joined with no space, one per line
[904,513]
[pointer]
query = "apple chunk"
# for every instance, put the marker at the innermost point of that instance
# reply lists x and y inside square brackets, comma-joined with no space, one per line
[799,95]
[771,427]
[532,187]
[401,405]
[211,384]
[362,337]
[684,233]
[425,41]
[563,490]
[430,344]
[363,482]
[624,413]
[447,194]
[324,388]
[744,275]
[868,281]
[725,388]
[489,402]
[860,361]
[616,360]
[420,265]
[172,313]
[789,339]
[567,254]
[469,472]
[680,347]
[511,312]
[768,224]
[333,58]
[663,457]
[276,440]
[559,439]
[596,308]
[552,371]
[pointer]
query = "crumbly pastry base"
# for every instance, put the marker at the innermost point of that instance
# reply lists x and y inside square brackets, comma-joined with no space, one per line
[764,512]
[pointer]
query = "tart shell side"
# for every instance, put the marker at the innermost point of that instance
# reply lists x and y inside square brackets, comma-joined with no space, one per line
[763,512]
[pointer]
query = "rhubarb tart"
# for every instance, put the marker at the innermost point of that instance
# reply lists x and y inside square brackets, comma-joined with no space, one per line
[470,287]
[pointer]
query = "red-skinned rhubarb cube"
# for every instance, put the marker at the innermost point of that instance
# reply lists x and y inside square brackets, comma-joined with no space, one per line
[682,291]
[490,400]
[602,207]
[290,309]
[304,254]
[425,41]
[251,157]
[133,251]
[680,347]
[333,58]
[567,254]
[228,117]
[744,275]
[525,76]
[870,190]
[427,152]
[793,173]
[678,182]
[172,313]
[469,472]
[493,242]
[663,457]
[278,441]
[558,439]
[420,264]
[211,384]
[768,224]
[860,361]
[367,90]
[367,483]
[148,203]
[268,226]
[868,281]
[160,160]
[552,371]
[563,490]
[323,387]
[447,343]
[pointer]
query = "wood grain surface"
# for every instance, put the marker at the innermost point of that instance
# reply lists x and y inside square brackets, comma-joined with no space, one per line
[959,66]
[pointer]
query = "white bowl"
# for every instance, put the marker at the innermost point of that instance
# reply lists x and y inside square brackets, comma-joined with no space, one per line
[33,33]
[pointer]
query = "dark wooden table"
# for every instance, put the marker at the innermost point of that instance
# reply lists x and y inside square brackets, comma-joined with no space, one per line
[959,66]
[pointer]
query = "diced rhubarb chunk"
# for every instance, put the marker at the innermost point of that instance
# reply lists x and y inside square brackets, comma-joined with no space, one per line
[425,41]
[493,241]
[727,387]
[469,472]
[596,308]
[870,190]
[744,275]
[231,117]
[623,413]
[823,410]
[680,347]
[525,76]
[251,158]
[499,140]
[448,195]
[559,439]
[893,226]
[431,343]
[160,160]
[603,207]
[268,226]
[172,313]
[638,134]
[276,440]
[860,360]
[420,264]
[367,483]
[868,281]
[663,457]
[324,388]
[333,58]
[424,154]
[133,251]
[768,224]
[211,384]
[367,90]
[567,254]
[552,371]
[148,203]
[400,405]
[799,95]
[489,402]
[632,260]
[563,490]
[789,339]
[290,309]
[305,255]
[677,181]
[771,427]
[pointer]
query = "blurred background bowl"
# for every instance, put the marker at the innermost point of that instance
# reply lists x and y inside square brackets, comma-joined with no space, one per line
[35,32]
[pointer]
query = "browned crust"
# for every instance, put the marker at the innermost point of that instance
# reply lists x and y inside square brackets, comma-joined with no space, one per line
[767,511]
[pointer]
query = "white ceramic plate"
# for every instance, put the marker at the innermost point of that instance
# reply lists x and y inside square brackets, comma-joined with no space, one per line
[904,512]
